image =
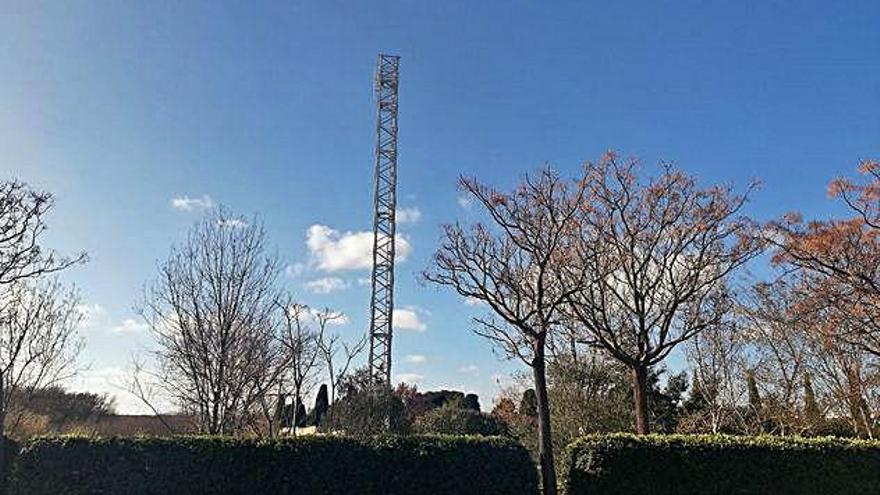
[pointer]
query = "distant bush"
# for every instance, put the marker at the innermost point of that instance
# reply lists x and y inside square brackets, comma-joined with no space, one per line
[365,408]
[624,464]
[453,420]
[429,465]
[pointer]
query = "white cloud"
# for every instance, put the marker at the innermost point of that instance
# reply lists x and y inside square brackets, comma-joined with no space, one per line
[113,381]
[464,202]
[364,281]
[407,215]
[415,359]
[232,223]
[334,251]
[130,325]
[408,319]
[470,369]
[327,285]
[185,203]
[473,301]
[92,315]
[96,317]
[340,318]
[110,380]
[409,378]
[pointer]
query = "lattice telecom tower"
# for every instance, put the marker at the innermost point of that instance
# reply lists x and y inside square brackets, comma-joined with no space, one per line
[385,203]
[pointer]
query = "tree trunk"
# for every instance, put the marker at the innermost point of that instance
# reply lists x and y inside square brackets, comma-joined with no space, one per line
[2,431]
[545,444]
[640,396]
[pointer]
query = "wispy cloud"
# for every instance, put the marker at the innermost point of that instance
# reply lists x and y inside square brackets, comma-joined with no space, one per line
[186,203]
[113,381]
[470,369]
[410,378]
[415,359]
[294,270]
[326,285]
[129,325]
[91,315]
[464,201]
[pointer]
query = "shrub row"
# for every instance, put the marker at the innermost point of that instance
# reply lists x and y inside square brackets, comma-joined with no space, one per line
[426,465]
[683,465]
[598,465]
[8,451]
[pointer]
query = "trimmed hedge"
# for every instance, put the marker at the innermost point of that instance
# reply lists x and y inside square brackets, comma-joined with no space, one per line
[425,465]
[625,464]
[10,451]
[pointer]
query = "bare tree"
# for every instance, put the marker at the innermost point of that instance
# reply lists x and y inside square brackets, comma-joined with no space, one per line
[805,371]
[23,259]
[38,342]
[848,382]
[657,255]
[22,224]
[779,353]
[299,342]
[510,266]
[719,364]
[330,345]
[142,385]
[211,313]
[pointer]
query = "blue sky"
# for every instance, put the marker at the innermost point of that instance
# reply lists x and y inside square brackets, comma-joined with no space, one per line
[119,108]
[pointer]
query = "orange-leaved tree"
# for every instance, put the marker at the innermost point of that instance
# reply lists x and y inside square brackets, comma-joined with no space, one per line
[839,259]
[657,255]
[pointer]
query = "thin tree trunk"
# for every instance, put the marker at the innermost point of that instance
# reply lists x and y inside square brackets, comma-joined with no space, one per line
[3,403]
[640,396]
[545,444]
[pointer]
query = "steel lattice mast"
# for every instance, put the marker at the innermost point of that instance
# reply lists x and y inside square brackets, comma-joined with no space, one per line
[385,203]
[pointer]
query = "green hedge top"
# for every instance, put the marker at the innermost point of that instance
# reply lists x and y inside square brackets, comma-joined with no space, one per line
[721,464]
[307,465]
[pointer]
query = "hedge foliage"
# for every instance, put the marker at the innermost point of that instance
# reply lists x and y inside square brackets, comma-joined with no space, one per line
[625,464]
[7,460]
[448,420]
[426,465]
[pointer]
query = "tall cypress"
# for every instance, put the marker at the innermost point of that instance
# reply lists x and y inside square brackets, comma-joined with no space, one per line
[812,412]
[322,403]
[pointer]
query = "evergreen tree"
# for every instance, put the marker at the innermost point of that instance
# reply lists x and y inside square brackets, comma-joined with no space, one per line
[754,396]
[812,412]
[698,399]
[300,418]
[472,402]
[322,404]
[664,404]
[528,406]
[756,406]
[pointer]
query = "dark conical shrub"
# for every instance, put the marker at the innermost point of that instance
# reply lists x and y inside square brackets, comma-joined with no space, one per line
[322,403]
[528,406]
[300,418]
